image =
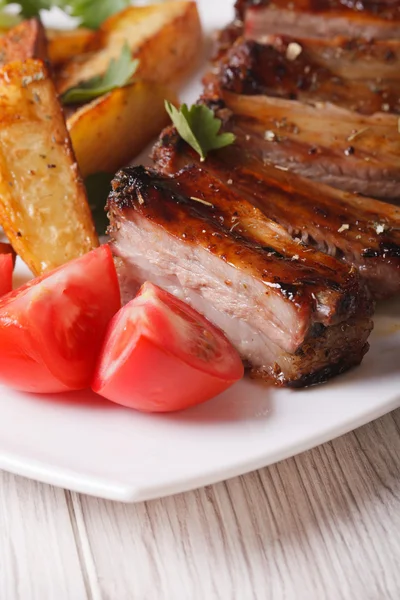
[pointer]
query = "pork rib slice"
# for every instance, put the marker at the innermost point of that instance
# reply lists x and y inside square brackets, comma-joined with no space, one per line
[251,68]
[295,315]
[360,231]
[387,9]
[321,19]
[352,152]
[345,57]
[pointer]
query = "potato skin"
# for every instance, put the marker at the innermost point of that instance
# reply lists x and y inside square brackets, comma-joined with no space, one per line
[110,131]
[166,38]
[43,206]
[65,45]
[26,40]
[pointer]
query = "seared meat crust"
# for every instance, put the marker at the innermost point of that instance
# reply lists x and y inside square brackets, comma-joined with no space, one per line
[363,232]
[292,312]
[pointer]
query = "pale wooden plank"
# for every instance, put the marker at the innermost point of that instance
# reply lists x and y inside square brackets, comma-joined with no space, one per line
[323,525]
[38,554]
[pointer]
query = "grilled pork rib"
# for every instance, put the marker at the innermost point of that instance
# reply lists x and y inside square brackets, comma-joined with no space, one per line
[295,315]
[348,58]
[321,18]
[387,9]
[253,238]
[360,231]
[326,143]
[250,68]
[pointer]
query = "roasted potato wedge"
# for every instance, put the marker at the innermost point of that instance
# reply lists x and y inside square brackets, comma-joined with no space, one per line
[66,44]
[109,132]
[26,40]
[166,38]
[43,206]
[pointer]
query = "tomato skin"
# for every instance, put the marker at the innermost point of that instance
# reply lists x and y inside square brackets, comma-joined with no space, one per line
[6,272]
[142,368]
[52,328]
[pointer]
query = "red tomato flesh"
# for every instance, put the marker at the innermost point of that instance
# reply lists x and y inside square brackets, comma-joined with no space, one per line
[6,272]
[160,355]
[52,328]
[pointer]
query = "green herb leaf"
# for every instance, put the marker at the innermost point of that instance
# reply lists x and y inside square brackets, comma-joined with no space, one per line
[91,13]
[98,187]
[8,20]
[119,73]
[199,127]
[31,8]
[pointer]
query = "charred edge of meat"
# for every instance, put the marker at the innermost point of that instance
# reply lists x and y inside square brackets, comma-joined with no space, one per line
[310,379]
[251,68]
[127,184]
[165,150]
[239,72]
[326,373]
[386,250]
[225,38]
[332,360]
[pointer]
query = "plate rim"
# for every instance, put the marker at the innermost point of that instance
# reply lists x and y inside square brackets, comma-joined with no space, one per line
[112,489]
[71,480]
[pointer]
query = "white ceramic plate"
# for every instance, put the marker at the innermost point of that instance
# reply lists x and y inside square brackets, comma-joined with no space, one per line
[83,443]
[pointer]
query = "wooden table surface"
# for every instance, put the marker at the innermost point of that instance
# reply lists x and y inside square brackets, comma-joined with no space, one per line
[322,525]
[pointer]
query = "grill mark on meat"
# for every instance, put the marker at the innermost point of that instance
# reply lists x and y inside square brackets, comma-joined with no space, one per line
[251,68]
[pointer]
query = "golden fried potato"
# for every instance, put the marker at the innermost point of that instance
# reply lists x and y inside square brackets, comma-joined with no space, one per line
[43,206]
[26,40]
[166,38]
[109,132]
[66,44]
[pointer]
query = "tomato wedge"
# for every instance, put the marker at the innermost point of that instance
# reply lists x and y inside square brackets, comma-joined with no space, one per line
[6,272]
[52,328]
[160,355]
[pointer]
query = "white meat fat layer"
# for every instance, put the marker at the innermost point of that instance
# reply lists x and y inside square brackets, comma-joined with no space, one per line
[200,283]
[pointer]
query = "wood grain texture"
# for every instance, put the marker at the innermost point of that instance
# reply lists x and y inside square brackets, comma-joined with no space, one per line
[322,525]
[38,551]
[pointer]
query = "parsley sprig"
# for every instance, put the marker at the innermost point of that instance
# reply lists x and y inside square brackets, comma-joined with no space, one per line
[91,13]
[119,74]
[199,127]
